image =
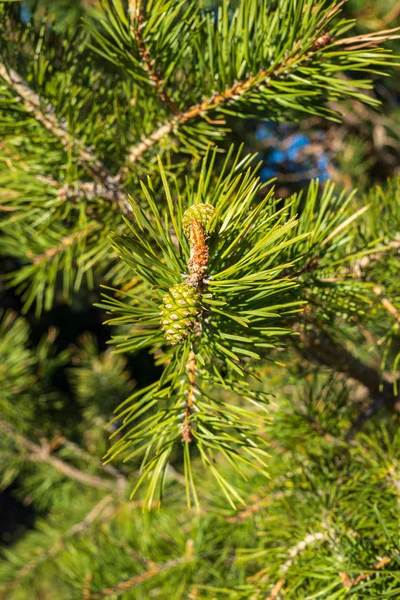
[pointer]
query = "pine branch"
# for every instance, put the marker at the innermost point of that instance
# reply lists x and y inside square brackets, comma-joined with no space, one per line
[68,191]
[156,136]
[78,529]
[136,27]
[293,58]
[297,550]
[107,184]
[232,94]
[320,347]
[43,454]
[123,586]
[388,398]
[225,296]
[47,117]
[91,190]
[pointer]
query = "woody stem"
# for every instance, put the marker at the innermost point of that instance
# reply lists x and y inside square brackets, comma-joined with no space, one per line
[191,367]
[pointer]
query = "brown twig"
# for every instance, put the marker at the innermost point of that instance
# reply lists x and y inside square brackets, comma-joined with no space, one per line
[349,583]
[386,397]
[386,303]
[260,502]
[191,371]
[86,587]
[136,151]
[136,27]
[392,15]
[299,548]
[65,243]
[91,190]
[78,451]
[365,415]
[123,586]
[368,40]
[43,454]
[250,510]
[380,399]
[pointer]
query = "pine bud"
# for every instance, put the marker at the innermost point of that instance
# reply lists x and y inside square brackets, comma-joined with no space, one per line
[180,307]
[203,213]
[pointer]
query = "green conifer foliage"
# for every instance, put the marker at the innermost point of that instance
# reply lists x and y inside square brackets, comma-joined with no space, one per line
[266,435]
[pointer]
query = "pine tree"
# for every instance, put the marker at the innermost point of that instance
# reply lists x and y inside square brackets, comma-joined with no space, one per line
[266,435]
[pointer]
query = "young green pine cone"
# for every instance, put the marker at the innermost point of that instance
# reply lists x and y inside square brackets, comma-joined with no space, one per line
[180,307]
[203,213]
